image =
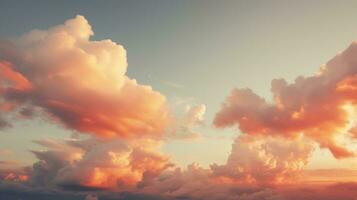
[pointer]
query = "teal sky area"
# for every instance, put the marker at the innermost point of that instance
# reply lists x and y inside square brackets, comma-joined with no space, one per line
[195,52]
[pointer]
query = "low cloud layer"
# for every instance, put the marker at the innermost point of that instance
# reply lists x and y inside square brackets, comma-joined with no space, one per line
[95,164]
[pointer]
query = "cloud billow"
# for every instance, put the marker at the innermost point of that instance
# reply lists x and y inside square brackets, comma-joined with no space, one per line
[80,83]
[321,107]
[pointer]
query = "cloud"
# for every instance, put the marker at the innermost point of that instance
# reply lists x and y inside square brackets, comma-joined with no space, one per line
[94,164]
[79,82]
[328,176]
[184,127]
[173,85]
[322,106]
[115,166]
[194,115]
[346,191]
[198,183]
[14,174]
[264,160]
[254,168]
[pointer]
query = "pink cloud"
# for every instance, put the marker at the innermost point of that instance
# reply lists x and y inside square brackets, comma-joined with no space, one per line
[79,82]
[313,106]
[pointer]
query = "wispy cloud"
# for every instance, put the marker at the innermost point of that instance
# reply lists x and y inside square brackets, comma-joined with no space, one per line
[174,85]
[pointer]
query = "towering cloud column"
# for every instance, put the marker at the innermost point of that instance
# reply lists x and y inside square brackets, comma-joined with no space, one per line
[82,85]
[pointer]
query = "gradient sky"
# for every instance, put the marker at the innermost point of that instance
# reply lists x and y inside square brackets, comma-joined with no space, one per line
[196,52]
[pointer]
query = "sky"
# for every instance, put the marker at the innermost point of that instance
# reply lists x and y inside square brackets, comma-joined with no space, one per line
[125,94]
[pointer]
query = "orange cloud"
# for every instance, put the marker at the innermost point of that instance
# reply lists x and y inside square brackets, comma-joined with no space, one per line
[336,191]
[314,106]
[198,183]
[96,163]
[264,160]
[79,82]
[14,79]
[14,175]
[328,176]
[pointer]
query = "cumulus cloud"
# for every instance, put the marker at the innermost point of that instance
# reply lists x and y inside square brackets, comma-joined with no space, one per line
[318,106]
[255,167]
[264,161]
[95,164]
[61,74]
[198,183]
[78,82]
[184,127]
